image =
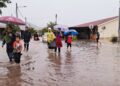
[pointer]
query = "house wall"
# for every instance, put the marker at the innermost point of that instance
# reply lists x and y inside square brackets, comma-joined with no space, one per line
[110,30]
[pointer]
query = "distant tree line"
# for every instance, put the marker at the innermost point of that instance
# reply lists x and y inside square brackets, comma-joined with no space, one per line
[49,25]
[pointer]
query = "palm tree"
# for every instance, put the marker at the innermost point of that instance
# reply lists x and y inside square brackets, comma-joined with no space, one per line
[3,4]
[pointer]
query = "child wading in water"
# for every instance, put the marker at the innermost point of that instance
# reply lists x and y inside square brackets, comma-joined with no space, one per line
[69,41]
[17,49]
[58,42]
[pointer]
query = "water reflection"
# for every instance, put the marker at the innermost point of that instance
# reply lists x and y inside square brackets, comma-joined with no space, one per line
[54,58]
[68,60]
[69,69]
[85,65]
[55,62]
[117,65]
[14,76]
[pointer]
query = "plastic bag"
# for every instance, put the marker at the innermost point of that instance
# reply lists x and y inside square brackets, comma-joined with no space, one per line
[52,44]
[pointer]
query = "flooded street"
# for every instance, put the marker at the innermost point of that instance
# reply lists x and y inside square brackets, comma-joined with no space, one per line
[85,65]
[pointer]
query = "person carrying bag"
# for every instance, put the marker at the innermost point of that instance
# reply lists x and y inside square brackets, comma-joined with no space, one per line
[51,39]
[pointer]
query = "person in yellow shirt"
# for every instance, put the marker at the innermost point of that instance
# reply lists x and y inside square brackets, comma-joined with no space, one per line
[50,36]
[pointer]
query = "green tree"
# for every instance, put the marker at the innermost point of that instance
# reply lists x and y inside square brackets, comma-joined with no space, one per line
[32,30]
[14,27]
[51,25]
[3,4]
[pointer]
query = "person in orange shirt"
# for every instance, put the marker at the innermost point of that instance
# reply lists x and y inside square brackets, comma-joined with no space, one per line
[69,41]
[58,42]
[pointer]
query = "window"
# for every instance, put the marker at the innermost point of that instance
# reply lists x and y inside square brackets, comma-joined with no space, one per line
[103,28]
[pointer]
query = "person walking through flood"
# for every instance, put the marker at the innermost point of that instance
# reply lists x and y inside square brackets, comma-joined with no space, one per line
[69,41]
[58,42]
[17,49]
[9,39]
[26,38]
[97,37]
[36,37]
[51,39]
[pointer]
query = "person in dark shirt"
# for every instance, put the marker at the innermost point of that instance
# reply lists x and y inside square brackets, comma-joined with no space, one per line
[26,38]
[9,39]
[97,37]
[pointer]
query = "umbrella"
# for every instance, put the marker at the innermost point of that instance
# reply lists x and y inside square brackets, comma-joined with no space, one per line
[10,19]
[72,32]
[61,27]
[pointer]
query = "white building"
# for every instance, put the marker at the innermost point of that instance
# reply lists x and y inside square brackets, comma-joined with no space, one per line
[109,28]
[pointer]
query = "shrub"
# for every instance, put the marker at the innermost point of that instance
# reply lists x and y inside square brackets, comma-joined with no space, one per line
[74,38]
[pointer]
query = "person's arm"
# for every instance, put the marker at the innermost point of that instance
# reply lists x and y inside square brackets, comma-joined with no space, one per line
[47,37]
[21,48]
[30,35]
[3,43]
[61,34]
[23,34]
[53,35]
[14,45]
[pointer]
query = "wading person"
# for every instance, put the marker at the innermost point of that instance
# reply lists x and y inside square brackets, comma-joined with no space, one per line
[69,41]
[9,39]
[97,37]
[51,39]
[26,38]
[58,42]
[17,49]
[36,37]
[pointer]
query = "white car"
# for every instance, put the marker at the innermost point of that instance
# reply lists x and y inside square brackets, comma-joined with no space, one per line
[44,38]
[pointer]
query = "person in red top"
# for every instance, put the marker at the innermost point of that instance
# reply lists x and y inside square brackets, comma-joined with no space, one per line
[17,49]
[58,42]
[69,41]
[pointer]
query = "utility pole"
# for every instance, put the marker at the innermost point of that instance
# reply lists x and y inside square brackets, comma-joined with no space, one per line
[16,10]
[26,21]
[56,17]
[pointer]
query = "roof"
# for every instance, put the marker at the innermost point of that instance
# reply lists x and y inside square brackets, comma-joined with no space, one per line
[98,22]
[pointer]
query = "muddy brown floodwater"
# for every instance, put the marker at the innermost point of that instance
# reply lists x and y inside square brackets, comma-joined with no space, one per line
[85,65]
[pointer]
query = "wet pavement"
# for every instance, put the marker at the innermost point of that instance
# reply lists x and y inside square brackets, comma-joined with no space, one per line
[85,65]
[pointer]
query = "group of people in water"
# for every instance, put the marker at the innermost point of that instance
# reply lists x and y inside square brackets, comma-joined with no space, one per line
[54,40]
[14,44]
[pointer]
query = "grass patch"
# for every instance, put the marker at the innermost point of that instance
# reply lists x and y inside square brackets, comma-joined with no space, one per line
[74,38]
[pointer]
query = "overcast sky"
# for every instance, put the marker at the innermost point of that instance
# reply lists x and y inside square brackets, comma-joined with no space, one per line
[70,12]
